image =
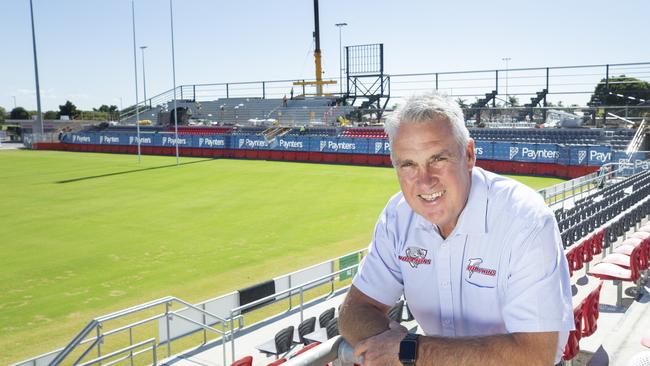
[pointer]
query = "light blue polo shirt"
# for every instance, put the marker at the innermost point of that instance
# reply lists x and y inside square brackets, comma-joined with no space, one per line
[501,270]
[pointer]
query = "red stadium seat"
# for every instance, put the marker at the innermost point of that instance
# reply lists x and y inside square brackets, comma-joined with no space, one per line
[590,311]
[277,362]
[246,361]
[611,271]
[573,344]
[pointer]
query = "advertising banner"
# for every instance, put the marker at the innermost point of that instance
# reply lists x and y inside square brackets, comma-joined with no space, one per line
[597,155]
[336,145]
[210,141]
[250,142]
[291,143]
[564,153]
[82,138]
[112,139]
[504,151]
[536,153]
[147,139]
[169,140]
[483,150]
[378,147]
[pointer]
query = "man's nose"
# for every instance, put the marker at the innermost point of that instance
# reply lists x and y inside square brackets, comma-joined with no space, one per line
[428,176]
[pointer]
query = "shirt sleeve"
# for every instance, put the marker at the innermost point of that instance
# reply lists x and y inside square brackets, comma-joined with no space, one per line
[379,275]
[538,292]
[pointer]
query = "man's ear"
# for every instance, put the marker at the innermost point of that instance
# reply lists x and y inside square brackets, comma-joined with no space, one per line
[470,152]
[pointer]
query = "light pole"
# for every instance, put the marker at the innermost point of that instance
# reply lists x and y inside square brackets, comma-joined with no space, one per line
[171,17]
[135,77]
[38,88]
[340,26]
[144,79]
[13,96]
[506,59]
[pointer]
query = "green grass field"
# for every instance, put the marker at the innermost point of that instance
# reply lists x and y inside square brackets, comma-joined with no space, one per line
[88,234]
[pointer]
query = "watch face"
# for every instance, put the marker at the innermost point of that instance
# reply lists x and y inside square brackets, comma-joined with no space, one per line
[407,350]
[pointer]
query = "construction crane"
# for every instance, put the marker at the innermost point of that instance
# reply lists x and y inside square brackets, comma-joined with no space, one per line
[317,58]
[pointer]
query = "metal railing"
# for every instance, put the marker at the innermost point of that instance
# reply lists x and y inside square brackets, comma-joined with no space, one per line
[574,84]
[93,336]
[235,313]
[84,338]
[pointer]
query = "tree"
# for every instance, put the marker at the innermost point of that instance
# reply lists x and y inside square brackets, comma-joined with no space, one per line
[19,113]
[3,114]
[620,91]
[51,115]
[69,109]
[513,101]
[461,103]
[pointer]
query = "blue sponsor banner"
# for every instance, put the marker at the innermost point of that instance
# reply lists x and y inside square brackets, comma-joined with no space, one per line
[111,138]
[504,151]
[249,142]
[598,155]
[638,162]
[564,157]
[169,140]
[146,139]
[210,141]
[483,150]
[339,145]
[291,143]
[536,153]
[378,147]
[83,138]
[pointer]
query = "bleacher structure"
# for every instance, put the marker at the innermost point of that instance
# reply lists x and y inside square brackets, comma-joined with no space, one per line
[601,228]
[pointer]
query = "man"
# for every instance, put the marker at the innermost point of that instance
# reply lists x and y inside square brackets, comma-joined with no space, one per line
[478,257]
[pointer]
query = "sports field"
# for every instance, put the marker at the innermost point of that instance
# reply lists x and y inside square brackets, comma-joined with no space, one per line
[87,234]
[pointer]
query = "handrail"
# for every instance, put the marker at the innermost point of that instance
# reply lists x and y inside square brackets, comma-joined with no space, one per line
[96,323]
[235,312]
[75,342]
[333,349]
[115,353]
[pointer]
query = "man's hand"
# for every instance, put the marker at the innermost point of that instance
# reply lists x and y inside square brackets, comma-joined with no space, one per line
[382,349]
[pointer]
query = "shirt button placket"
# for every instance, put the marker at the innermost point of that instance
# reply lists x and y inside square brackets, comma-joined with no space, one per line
[445,291]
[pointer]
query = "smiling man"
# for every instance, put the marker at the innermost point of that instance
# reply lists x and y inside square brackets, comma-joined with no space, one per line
[478,257]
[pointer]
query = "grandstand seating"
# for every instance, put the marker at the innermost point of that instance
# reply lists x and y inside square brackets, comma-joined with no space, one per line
[201,130]
[618,139]
[590,311]
[332,328]
[306,326]
[238,111]
[364,132]
[325,317]
[573,344]
[244,361]
[280,345]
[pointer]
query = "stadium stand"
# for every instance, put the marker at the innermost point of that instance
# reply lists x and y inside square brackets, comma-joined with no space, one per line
[590,226]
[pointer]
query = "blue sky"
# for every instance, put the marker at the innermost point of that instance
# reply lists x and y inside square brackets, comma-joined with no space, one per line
[85,49]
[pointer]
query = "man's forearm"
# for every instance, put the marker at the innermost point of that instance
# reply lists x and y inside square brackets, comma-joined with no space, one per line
[505,349]
[361,320]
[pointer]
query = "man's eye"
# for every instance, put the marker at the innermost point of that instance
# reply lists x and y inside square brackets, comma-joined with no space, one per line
[439,158]
[406,165]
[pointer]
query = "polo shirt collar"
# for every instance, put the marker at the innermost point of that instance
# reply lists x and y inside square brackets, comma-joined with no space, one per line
[473,219]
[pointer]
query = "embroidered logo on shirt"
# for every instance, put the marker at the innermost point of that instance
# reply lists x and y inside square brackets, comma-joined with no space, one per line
[474,266]
[415,256]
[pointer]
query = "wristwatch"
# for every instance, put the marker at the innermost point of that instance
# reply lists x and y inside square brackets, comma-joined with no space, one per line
[408,349]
